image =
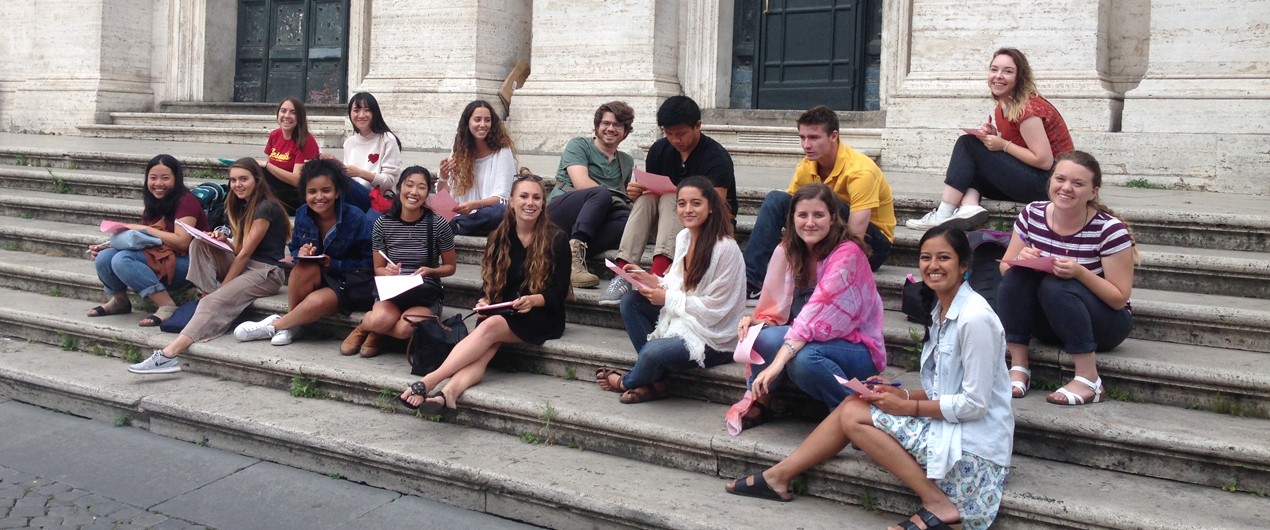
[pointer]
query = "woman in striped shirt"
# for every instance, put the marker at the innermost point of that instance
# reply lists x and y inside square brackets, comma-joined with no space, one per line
[1084,302]
[408,239]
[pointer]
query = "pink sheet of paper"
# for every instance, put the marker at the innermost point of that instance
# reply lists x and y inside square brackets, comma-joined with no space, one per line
[442,203]
[496,306]
[975,132]
[205,237]
[745,349]
[290,259]
[854,384]
[623,274]
[654,183]
[113,227]
[391,286]
[1045,264]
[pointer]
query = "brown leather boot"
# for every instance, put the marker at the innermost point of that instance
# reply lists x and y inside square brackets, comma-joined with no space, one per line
[354,342]
[370,347]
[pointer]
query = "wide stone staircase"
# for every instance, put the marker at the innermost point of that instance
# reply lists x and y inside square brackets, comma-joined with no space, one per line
[234,123]
[1181,444]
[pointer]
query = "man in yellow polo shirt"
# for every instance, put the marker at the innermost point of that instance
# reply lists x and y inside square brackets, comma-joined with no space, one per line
[854,178]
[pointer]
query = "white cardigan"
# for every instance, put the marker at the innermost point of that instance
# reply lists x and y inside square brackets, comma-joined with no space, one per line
[708,315]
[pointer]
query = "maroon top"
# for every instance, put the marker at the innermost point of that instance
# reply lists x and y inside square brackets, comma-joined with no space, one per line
[1055,128]
[188,206]
[1103,235]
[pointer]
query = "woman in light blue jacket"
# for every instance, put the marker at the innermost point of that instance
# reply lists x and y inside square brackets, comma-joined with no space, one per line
[949,441]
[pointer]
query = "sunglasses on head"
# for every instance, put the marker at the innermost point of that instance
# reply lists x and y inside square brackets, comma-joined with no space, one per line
[529,176]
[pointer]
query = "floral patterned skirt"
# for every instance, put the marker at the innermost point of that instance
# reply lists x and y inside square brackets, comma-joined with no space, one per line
[973,484]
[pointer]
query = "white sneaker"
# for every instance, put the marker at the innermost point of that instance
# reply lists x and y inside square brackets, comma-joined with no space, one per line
[284,337]
[967,217]
[248,331]
[157,364]
[928,221]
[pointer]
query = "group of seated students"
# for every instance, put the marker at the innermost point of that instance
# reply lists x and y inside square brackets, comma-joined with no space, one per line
[809,262]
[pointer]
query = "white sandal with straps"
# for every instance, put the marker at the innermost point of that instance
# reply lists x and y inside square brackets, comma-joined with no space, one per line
[1073,399]
[1021,385]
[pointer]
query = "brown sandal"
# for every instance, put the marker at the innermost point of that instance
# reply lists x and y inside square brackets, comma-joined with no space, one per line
[602,378]
[644,394]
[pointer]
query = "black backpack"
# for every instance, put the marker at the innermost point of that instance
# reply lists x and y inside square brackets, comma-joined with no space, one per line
[986,247]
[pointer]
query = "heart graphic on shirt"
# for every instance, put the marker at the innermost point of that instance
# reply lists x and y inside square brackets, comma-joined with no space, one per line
[373,158]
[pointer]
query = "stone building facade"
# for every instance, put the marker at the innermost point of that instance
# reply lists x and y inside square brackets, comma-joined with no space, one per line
[1173,91]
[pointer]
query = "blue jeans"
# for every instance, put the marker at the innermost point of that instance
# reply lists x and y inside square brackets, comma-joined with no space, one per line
[813,368]
[767,235]
[481,221]
[121,269]
[655,356]
[1032,303]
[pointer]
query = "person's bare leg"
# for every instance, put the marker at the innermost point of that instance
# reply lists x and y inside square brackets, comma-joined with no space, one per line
[464,379]
[1018,357]
[381,318]
[402,329]
[318,304]
[305,278]
[971,198]
[823,443]
[492,331]
[178,345]
[857,423]
[162,298]
[951,195]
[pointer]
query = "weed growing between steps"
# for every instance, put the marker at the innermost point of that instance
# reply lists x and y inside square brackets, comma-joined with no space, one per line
[131,352]
[55,292]
[60,186]
[570,374]
[1003,225]
[1234,488]
[307,388]
[27,215]
[1144,184]
[335,476]
[10,246]
[1122,395]
[122,420]
[1232,407]
[866,500]
[385,401]
[914,360]
[68,342]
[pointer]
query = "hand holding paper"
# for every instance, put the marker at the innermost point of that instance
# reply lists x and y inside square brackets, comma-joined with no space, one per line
[653,183]
[443,204]
[973,132]
[624,275]
[205,237]
[745,348]
[854,384]
[1043,264]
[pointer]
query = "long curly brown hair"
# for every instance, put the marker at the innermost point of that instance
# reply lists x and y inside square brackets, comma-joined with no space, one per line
[540,258]
[802,259]
[465,146]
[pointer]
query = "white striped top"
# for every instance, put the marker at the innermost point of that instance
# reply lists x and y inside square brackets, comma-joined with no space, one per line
[1103,235]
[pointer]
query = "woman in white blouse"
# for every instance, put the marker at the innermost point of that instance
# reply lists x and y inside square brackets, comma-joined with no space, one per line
[688,318]
[479,171]
[951,440]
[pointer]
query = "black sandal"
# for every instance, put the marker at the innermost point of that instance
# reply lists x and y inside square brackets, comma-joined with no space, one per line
[154,319]
[759,489]
[417,388]
[764,416]
[931,521]
[101,311]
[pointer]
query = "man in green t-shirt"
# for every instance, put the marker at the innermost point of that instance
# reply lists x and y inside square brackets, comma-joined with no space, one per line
[589,200]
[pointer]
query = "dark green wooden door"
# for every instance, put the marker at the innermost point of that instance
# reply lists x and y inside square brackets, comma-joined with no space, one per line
[812,52]
[292,48]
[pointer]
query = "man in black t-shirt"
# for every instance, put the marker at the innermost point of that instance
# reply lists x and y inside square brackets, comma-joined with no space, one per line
[683,153]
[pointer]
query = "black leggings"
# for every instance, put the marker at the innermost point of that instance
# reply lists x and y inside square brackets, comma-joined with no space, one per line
[1032,303]
[996,174]
[589,213]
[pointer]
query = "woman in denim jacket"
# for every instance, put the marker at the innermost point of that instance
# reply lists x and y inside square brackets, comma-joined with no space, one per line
[951,440]
[321,283]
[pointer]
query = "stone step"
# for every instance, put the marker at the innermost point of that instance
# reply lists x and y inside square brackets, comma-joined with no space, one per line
[260,122]
[1188,376]
[549,485]
[1240,226]
[254,109]
[688,435]
[183,133]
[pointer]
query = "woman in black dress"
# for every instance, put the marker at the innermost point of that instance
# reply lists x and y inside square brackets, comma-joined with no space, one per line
[526,262]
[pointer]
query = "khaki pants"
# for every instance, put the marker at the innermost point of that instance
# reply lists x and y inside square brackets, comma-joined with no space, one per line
[217,310]
[650,211]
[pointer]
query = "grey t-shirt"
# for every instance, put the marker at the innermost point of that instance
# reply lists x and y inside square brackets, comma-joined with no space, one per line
[273,247]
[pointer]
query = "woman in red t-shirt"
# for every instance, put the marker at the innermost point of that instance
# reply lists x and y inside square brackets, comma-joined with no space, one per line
[290,145]
[1008,162]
